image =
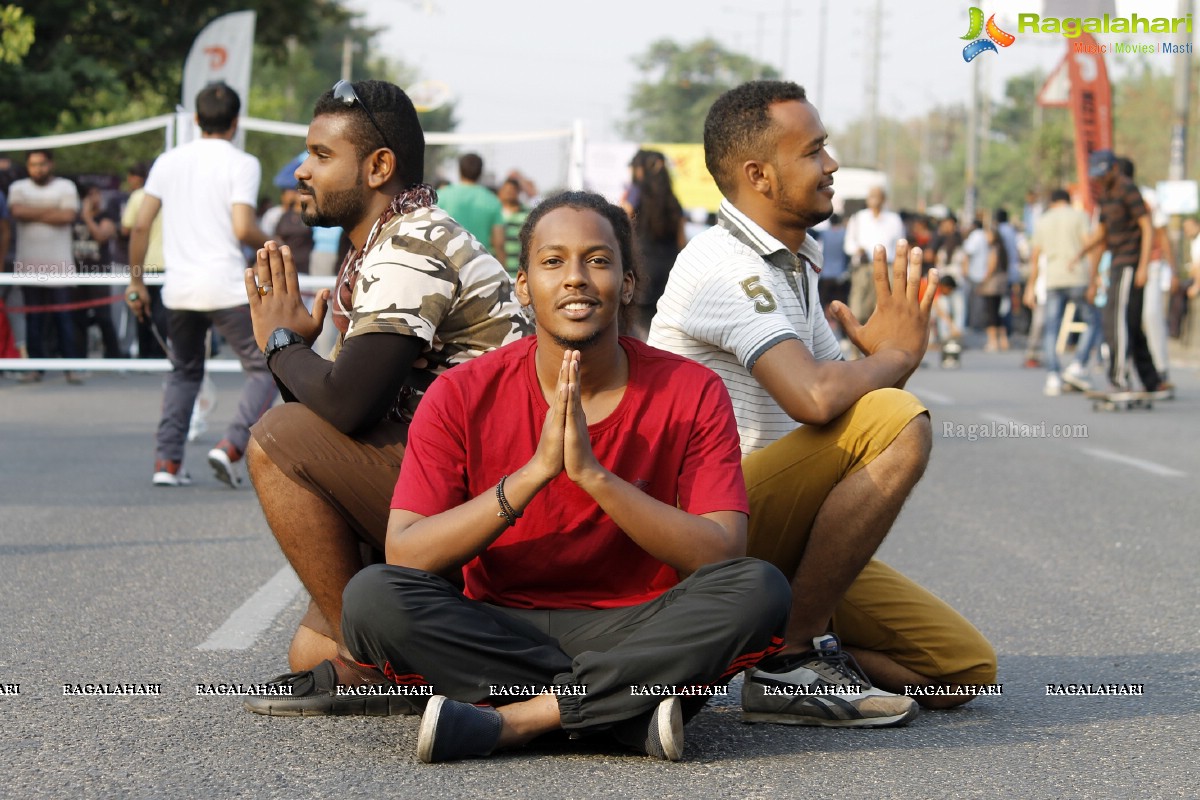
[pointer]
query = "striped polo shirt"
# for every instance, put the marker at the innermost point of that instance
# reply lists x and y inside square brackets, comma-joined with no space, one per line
[734,293]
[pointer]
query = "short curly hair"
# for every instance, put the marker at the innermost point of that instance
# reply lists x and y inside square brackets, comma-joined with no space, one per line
[737,125]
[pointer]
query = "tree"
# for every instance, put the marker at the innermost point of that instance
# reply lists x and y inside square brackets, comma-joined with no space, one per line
[16,35]
[679,84]
[90,58]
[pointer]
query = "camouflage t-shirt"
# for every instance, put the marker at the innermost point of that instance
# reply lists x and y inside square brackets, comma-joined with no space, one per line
[427,277]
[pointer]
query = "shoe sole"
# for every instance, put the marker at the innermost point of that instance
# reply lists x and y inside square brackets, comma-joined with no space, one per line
[670,730]
[170,481]
[223,471]
[895,721]
[428,732]
[1078,384]
[345,706]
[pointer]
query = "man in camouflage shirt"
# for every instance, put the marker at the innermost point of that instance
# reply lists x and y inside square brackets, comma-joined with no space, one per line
[416,295]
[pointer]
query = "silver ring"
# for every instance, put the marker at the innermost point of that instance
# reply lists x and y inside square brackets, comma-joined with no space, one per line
[262,290]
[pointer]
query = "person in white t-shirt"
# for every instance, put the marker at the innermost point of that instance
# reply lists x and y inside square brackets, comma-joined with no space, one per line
[867,228]
[44,208]
[207,190]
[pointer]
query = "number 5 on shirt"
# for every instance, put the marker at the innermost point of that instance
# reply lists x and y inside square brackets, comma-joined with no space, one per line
[764,302]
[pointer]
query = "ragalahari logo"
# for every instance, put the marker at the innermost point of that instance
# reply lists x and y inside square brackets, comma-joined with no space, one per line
[995,36]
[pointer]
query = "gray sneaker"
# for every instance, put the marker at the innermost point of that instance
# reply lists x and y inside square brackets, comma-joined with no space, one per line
[824,687]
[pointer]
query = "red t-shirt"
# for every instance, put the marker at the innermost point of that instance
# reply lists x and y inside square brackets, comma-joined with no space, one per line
[673,435]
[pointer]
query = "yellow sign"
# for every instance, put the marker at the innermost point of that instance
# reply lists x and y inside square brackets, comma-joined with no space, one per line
[689,177]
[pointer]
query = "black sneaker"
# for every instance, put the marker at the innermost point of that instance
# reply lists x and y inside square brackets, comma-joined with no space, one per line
[316,693]
[451,730]
[659,734]
[823,686]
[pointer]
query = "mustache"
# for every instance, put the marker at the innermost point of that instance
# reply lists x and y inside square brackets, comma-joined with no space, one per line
[301,186]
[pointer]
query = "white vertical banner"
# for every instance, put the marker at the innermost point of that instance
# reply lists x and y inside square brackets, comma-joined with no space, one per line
[223,51]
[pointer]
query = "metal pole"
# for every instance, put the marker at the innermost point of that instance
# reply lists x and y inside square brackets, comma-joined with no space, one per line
[821,32]
[347,56]
[1177,169]
[972,147]
[783,55]
[872,148]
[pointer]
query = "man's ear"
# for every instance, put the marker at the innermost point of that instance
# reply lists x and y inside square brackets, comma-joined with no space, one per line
[759,175]
[521,288]
[381,167]
[628,284]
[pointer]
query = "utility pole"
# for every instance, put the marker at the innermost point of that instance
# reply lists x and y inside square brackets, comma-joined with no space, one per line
[872,148]
[347,56]
[821,26]
[783,55]
[972,193]
[1177,169]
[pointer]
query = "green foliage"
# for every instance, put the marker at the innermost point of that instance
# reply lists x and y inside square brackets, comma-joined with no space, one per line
[679,84]
[16,35]
[94,65]
[85,54]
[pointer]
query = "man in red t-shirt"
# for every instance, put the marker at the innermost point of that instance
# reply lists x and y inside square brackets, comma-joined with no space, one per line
[586,493]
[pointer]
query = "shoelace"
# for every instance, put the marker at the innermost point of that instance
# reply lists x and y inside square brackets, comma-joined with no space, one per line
[843,665]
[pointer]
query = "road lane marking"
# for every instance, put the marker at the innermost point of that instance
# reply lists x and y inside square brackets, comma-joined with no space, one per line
[936,397]
[245,625]
[1140,463]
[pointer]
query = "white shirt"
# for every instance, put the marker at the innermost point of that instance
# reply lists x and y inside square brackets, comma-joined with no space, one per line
[734,293]
[198,184]
[44,249]
[865,230]
[976,248]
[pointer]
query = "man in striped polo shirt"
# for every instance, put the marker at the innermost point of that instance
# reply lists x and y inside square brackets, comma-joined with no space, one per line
[831,448]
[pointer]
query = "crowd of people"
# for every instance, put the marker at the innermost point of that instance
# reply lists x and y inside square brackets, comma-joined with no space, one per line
[516,520]
[1112,274]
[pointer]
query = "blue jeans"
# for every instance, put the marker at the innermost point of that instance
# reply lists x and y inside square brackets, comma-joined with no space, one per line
[1056,304]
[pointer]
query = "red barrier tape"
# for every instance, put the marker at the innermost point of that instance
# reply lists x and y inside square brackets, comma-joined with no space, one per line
[82,304]
[103,301]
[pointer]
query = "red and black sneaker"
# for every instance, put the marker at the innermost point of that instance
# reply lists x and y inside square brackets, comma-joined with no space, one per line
[170,473]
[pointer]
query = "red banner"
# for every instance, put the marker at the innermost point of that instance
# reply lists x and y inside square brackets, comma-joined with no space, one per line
[1089,97]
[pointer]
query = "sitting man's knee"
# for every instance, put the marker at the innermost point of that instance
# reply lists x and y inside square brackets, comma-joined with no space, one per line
[385,592]
[765,590]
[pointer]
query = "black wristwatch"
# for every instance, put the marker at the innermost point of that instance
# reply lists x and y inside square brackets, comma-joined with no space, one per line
[281,338]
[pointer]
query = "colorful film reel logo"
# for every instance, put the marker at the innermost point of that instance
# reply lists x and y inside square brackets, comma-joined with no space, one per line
[995,36]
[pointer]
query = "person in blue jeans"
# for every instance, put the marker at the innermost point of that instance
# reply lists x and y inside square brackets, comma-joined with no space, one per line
[1058,238]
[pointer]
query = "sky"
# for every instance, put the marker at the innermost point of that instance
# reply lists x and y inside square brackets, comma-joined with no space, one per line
[543,64]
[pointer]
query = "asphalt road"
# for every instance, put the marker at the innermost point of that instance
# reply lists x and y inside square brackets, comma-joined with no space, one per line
[1075,555]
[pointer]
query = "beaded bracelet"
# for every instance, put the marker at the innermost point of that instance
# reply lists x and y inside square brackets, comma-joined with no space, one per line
[510,514]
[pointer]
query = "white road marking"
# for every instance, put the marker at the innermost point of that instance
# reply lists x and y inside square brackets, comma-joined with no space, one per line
[245,625]
[1140,463]
[936,397]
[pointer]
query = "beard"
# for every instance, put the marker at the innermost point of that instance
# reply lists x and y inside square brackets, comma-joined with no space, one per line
[341,209]
[578,343]
[807,215]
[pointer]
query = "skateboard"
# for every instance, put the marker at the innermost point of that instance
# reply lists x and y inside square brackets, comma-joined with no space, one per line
[951,354]
[1122,401]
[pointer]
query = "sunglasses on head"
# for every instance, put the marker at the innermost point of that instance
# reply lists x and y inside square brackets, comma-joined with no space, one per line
[344,91]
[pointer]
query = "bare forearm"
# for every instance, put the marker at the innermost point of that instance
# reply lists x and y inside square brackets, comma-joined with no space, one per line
[833,386]
[680,540]
[448,540]
[139,242]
